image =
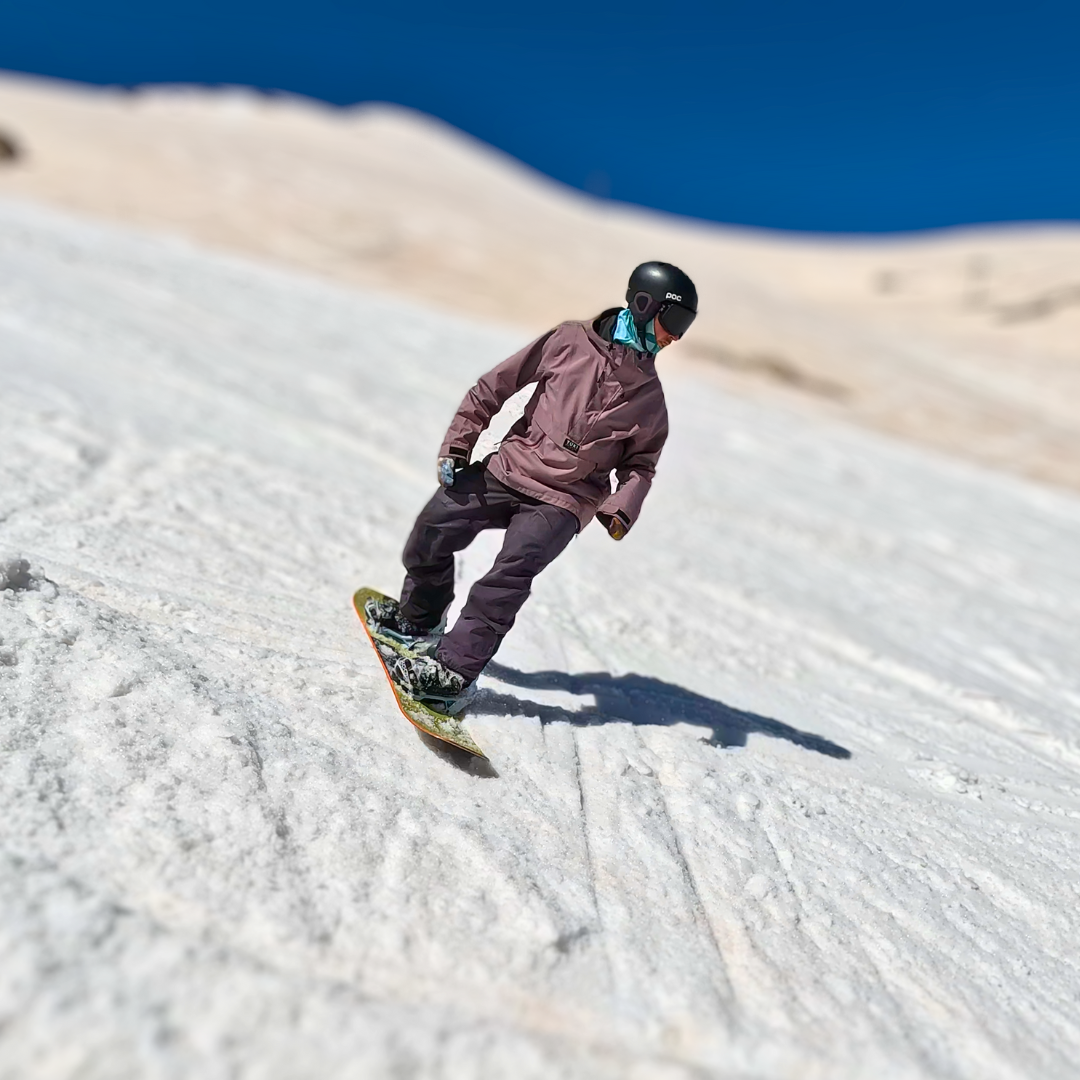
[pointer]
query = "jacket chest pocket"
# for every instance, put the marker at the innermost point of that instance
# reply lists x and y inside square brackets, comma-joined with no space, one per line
[607,395]
[579,425]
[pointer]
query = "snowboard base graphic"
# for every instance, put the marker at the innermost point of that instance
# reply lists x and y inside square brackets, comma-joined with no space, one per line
[447,729]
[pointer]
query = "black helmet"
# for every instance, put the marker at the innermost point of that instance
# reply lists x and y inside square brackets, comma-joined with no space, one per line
[660,290]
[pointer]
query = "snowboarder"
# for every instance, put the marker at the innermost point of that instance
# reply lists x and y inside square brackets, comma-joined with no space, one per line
[598,407]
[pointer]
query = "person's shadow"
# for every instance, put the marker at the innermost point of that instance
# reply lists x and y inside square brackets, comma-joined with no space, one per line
[638,699]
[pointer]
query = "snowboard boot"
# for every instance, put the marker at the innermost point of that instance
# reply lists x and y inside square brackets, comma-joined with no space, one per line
[384,617]
[430,682]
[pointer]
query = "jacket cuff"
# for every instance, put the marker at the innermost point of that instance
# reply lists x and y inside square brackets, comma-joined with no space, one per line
[605,516]
[456,450]
[612,504]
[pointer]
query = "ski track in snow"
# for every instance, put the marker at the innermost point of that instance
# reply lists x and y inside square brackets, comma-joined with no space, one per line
[787,784]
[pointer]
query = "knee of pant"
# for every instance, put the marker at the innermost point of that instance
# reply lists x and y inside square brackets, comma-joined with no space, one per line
[528,561]
[426,546]
[508,574]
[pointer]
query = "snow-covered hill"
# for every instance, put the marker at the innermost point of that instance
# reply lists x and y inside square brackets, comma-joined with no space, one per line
[785,785]
[963,341]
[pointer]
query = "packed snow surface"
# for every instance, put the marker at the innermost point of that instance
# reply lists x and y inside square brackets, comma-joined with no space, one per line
[787,784]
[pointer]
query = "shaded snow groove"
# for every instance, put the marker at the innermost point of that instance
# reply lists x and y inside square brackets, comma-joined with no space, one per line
[725,997]
[589,863]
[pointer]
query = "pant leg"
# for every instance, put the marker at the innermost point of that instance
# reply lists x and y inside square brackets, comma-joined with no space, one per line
[536,534]
[449,523]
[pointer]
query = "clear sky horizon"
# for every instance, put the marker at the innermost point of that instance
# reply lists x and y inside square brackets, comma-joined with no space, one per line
[832,117]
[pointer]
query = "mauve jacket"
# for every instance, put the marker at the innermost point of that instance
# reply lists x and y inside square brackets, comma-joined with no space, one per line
[599,406]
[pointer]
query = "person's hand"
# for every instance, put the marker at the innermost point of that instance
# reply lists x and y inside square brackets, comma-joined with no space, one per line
[447,468]
[617,524]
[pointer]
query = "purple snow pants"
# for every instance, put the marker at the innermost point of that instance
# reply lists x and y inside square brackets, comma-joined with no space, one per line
[535,533]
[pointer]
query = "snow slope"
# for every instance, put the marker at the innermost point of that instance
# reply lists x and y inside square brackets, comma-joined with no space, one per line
[785,785]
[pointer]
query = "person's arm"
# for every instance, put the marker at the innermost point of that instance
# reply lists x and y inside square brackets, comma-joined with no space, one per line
[487,397]
[618,512]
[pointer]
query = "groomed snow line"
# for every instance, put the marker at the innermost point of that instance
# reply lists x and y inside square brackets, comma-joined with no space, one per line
[785,785]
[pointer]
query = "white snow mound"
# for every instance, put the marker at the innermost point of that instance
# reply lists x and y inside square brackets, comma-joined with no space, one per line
[787,784]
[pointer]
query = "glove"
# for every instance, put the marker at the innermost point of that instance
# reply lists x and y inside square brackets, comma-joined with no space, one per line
[448,467]
[617,524]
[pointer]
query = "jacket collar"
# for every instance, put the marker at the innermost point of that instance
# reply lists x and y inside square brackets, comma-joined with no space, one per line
[598,331]
[629,364]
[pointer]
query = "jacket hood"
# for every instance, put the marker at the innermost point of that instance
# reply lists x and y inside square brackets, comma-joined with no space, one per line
[600,331]
[604,324]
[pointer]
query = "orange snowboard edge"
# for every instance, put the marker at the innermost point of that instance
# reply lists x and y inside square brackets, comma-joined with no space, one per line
[447,729]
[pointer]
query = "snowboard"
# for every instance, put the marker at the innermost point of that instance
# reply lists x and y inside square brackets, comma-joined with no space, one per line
[447,729]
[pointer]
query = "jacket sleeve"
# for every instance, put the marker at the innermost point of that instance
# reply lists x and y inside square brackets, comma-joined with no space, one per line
[485,399]
[634,475]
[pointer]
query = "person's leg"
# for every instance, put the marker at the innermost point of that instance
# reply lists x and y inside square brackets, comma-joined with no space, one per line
[449,523]
[537,533]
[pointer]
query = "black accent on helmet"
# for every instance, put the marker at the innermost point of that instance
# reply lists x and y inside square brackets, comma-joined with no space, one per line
[660,290]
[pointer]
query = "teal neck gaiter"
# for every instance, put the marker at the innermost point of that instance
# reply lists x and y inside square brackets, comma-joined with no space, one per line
[625,333]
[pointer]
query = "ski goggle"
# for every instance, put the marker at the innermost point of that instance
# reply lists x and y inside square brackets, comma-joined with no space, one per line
[674,318]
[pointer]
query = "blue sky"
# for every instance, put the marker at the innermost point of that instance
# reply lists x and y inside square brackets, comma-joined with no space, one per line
[831,116]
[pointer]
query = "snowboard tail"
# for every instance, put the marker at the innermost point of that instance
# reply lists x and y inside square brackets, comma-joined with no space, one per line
[445,728]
